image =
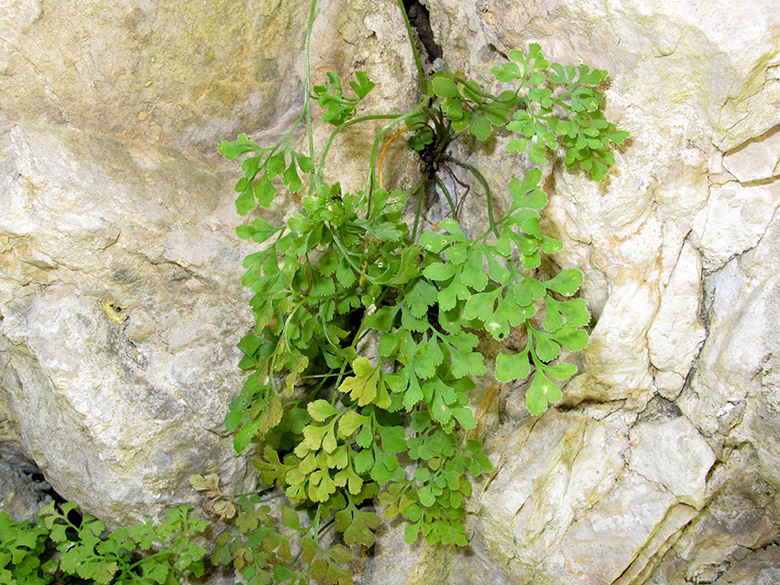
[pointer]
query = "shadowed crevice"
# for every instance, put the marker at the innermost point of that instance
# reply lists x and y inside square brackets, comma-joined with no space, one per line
[420,19]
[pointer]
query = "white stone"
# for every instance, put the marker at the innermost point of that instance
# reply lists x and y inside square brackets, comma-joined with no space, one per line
[757,160]
[544,480]
[677,332]
[669,384]
[599,546]
[673,454]
[733,221]
[616,361]
[119,353]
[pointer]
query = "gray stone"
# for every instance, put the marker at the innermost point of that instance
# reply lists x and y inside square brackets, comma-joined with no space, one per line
[22,492]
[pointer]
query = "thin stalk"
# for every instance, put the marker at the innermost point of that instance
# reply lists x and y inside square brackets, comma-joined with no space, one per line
[326,526]
[387,144]
[479,93]
[481,178]
[420,71]
[417,214]
[344,251]
[152,556]
[358,336]
[444,190]
[307,82]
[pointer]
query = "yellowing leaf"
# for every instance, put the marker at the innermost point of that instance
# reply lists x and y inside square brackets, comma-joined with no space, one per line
[350,422]
[209,482]
[362,387]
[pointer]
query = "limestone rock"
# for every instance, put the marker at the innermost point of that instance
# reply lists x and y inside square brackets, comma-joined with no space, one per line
[675,455]
[22,491]
[756,161]
[118,324]
[733,221]
[677,331]
[182,73]
[548,473]
[738,520]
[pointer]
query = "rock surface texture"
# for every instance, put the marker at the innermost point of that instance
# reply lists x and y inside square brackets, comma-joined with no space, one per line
[121,304]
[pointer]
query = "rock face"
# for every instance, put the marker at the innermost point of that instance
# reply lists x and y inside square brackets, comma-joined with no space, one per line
[120,297]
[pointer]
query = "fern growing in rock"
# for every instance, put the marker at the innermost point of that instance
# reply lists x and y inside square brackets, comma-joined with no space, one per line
[342,421]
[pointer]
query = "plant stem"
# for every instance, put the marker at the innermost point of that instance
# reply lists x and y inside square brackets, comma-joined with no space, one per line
[481,178]
[346,255]
[307,83]
[444,190]
[420,198]
[479,93]
[421,77]
[387,144]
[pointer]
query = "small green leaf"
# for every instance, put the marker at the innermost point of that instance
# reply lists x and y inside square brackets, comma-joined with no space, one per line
[305,163]
[245,202]
[551,245]
[362,387]
[546,350]
[249,344]
[468,364]
[541,391]
[517,145]
[561,371]
[465,418]
[275,164]
[411,532]
[497,115]
[282,574]
[553,318]
[453,109]
[265,192]
[480,127]
[344,273]
[573,339]
[232,150]
[575,311]
[439,271]
[445,87]
[566,282]
[420,295]
[527,291]
[383,319]
[291,178]
[393,439]
[473,273]
[362,86]
[481,306]
[512,367]
[201,483]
